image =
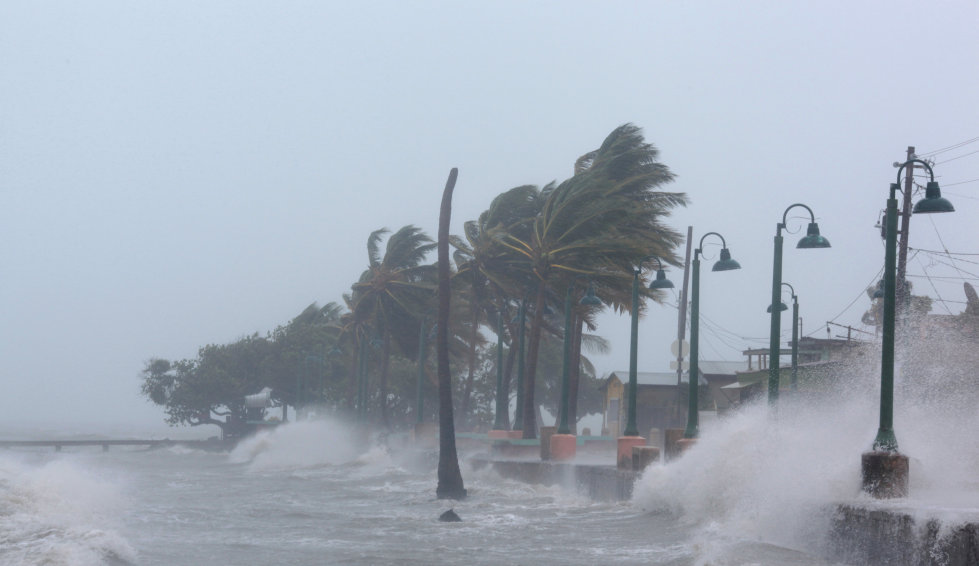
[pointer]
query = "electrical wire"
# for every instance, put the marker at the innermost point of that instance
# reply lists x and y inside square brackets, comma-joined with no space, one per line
[933,288]
[942,252]
[959,157]
[961,183]
[949,148]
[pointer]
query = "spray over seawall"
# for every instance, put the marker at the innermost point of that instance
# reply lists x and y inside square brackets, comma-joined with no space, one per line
[778,476]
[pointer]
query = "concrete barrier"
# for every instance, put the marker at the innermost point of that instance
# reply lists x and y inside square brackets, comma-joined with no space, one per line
[876,536]
[643,456]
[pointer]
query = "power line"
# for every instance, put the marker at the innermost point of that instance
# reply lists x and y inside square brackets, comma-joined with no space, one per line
[949,148]
[941,252]
[935,289]
[959,157]
[961,183]
[862,293]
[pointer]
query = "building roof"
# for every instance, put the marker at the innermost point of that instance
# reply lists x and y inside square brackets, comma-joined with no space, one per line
[651,378]
[722,368]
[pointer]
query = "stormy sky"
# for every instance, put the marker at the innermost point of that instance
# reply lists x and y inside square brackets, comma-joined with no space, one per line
[174,174]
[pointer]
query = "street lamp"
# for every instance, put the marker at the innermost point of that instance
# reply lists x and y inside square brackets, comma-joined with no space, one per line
[885,470]
[723,264]
[811,240]
[795,334]
[661,282]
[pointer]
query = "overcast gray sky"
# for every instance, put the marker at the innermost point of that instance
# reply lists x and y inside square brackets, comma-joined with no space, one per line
[180,173]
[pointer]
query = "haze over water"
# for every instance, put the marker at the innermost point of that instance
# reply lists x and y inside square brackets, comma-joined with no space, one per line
[754,490]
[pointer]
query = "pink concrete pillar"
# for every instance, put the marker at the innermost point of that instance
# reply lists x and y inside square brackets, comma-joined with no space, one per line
[624,452]
[563,446]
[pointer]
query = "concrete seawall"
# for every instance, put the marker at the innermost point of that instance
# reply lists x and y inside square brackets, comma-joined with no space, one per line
[601,483]
[859,535]
[873,536]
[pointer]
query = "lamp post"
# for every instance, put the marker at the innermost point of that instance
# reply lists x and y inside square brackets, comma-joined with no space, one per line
[811,240]
[795,333]
[723,264]
[661,282]
[885,470]
[563,443]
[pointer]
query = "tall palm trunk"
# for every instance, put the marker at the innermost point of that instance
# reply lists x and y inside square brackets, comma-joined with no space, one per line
[352,391]
[385,365]
[450,485]
[511,358]
[574,376]
[533,347]
[470,377]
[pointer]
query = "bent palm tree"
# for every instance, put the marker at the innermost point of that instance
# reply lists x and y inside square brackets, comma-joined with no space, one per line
[597,223]
[391,293]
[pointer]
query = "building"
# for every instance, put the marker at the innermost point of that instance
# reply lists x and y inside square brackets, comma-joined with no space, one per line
[660,403]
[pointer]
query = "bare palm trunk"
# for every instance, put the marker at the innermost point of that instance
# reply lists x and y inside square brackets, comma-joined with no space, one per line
[467,391]
[507,380]
[574,376]
[352,391]
[385,365]
[450,485]
[533,347]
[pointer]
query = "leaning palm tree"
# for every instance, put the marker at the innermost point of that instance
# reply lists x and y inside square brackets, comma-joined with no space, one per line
[596,224]
[484,266]
[391,293]
[450,485]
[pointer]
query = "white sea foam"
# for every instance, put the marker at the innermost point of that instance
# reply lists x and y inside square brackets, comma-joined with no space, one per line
[300,445]
[778,479]
[59,512]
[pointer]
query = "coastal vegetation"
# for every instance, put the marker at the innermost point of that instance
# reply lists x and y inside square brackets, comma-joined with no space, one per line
[367,357]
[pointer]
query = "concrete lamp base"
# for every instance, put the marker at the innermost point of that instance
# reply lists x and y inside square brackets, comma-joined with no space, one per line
[624,452]
[563,447]
[885,474]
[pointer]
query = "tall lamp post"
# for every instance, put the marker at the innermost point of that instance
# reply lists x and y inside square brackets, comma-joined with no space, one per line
[630,436]
[795,333]
[725,263]
[811,240]
[884,469]
[661,282]
[563,443]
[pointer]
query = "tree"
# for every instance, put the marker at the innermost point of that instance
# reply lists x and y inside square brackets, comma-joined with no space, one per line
[450,484]
[598,224]
[392,293]
[485,265]
[198,392]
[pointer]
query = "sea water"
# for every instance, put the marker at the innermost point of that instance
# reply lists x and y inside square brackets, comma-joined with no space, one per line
[759,488]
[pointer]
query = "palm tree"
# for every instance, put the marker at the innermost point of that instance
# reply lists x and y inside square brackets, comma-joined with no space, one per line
[484,264]
[596,224]
[450,485]
[390,295]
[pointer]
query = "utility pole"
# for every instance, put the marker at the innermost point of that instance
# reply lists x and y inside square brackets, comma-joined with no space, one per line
[902,253]
[682,322]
